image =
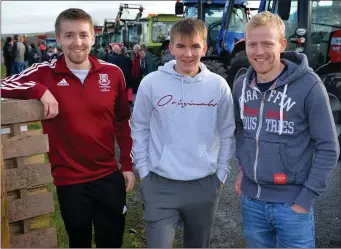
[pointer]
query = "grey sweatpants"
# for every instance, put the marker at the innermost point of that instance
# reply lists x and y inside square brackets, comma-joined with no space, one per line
[166,202]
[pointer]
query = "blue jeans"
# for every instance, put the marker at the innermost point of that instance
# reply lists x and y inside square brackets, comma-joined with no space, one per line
[18,67]
[276,225]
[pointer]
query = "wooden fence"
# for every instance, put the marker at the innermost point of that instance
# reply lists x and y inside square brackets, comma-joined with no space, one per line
[26,199]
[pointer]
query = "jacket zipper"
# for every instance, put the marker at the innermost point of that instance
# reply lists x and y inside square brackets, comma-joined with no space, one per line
[257,144]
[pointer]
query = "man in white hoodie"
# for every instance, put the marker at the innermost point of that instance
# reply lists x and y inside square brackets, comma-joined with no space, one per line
[183,141]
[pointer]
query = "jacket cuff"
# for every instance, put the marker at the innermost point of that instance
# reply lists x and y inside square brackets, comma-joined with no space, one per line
[143,171]
[127,167]
[222,174]
[37,91]
[305,199]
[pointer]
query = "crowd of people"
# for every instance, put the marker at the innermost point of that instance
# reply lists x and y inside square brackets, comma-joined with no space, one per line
[186,127]
[135,65]
[19,55]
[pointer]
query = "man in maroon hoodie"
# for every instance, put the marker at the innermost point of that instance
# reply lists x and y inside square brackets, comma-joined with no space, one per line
[87,110]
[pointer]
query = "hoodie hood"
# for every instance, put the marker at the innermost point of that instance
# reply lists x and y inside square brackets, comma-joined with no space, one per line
[169,69]
[297,66]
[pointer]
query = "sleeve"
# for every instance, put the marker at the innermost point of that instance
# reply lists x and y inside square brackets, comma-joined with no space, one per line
[323,133]
[141,128]
[239,132]
[123,132]
[226,126]
[24,85]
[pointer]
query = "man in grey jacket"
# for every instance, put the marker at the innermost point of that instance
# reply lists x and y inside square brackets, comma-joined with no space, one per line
[286,139]
[19,51]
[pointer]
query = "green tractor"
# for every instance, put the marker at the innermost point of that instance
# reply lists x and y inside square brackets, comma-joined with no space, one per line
[155,30]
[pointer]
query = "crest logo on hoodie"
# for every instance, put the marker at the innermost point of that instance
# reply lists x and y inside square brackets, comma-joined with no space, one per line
[104,83]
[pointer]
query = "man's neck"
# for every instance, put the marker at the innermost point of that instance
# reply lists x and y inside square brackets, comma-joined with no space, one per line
[270,76]
[188,74]
[86,65]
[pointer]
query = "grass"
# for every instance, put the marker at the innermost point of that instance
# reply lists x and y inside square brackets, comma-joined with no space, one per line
[3,71]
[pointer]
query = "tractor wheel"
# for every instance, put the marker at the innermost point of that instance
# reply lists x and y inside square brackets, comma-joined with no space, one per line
[166,56]
[239,66]
[332,82]
[216,66]
[156,62]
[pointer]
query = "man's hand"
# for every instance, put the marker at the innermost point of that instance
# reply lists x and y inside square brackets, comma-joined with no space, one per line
[298,209]
[130,180]
[238,182]
[50,105]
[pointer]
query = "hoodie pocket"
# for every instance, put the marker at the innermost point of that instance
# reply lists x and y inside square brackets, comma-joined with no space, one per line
[247,156]
[185,161]
[272,167]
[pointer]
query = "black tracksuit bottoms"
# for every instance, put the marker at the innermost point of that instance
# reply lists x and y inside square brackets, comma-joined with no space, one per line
[100,202]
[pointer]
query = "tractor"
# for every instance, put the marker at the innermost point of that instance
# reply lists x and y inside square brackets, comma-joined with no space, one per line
[122,29]
[313,27]
[155,30]
[222,18]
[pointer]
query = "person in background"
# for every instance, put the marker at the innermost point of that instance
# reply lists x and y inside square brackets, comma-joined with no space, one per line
[146,62]
[136,71]
[8,55]
[33,55]
[18,51]
[22,39]
[85,112]
[125,64]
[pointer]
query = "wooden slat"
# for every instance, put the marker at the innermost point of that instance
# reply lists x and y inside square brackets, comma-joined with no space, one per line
[20,111]
[5,239]
[29,207]
[23,145]
[42,238]
[28,176]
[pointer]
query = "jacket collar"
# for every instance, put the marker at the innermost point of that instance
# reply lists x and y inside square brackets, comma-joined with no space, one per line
[62,68]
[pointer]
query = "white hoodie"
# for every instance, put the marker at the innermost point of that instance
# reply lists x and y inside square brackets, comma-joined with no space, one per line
[182,126]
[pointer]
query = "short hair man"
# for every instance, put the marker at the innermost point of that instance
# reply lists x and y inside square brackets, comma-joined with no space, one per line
[86,99]
[183,133]
[285,155]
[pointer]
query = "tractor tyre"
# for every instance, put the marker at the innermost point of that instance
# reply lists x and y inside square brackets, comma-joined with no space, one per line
[332,82]
[239,66]
[216,66]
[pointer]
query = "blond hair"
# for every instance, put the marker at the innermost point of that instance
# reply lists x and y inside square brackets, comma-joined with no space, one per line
[267,18]
[188,27]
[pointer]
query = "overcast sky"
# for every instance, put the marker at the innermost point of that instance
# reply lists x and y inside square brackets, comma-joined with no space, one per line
[39,16]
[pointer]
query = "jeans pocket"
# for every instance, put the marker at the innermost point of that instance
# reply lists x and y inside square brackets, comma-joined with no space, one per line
[288,207]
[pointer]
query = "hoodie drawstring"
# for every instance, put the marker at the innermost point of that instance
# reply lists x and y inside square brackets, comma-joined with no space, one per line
[281,110]
[242,100]
[182,88]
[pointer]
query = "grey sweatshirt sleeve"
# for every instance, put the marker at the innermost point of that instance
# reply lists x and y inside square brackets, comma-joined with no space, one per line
[323,133]
[226,126]
[239,132]
[141,129]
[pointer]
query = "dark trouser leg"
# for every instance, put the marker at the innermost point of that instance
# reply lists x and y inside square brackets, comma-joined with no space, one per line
[9,68]
[76,206]
[109,210]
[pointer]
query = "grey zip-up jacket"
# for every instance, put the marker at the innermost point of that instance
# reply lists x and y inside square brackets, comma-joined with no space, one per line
[286,137]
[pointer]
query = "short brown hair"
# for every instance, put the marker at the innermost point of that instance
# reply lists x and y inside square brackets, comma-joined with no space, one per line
[267,18]
[188,27]
[73,14]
